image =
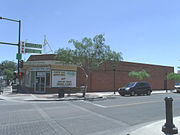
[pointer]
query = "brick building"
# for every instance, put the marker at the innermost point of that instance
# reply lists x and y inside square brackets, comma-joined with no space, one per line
[41,74]
[103,78]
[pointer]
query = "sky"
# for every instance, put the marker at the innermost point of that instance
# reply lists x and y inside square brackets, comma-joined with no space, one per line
[145,31]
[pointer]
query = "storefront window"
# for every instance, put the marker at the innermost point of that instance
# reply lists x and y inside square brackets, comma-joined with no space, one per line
[32,78]
[27,79]
[47,79]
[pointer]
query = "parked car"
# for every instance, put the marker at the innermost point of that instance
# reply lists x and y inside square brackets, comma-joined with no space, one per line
[134,88]
[177,87]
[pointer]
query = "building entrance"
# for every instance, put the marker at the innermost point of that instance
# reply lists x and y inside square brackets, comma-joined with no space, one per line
[40,83]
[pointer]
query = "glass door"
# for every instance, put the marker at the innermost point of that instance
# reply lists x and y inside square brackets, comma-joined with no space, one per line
[40,83]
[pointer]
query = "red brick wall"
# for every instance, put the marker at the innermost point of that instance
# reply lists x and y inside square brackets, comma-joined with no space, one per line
[103,78]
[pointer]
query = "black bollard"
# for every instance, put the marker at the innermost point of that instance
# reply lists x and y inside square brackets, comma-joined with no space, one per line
[61,93]
[169,127]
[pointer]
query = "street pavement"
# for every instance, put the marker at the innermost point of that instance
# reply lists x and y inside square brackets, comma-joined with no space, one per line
[99,114]
[8,95]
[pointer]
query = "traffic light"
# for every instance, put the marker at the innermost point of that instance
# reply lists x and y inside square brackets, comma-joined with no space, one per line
[20,75]
[21,62]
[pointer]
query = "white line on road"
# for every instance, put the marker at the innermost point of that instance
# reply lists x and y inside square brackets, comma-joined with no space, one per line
[98,105]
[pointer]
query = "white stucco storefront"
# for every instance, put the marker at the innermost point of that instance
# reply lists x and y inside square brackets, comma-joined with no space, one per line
[47,76]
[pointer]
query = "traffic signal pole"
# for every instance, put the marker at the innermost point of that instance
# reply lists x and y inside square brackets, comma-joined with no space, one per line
[19,41]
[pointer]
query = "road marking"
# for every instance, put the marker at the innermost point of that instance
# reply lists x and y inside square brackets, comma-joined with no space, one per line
[121,105]
[124,105]
[98,105]
[121,123]
[58,128]
[138,103]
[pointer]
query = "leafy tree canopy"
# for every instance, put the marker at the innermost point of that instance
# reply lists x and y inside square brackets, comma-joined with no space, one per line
[8,68]
[173,77]
[95,50]
[139,75]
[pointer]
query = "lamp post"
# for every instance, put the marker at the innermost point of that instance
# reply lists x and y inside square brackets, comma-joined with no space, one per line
[19,39]
[114,69]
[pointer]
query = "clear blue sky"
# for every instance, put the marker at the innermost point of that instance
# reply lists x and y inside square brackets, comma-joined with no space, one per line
[145,31]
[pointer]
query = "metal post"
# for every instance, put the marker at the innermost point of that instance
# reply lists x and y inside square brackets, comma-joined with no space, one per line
[114,81]
[114,69]
[19,42]
[169,127]
[165,81]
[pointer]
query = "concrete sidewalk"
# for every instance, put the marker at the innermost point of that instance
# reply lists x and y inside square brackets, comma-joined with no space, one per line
[78,96]
[54,97]
[151,128]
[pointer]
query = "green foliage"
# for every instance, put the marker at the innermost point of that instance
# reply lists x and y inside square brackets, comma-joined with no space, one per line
[8,68]
[139,75]
[173,77]
[134,74]
[95,50]
[8,73]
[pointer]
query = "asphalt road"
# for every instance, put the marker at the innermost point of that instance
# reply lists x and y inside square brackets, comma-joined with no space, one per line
[100,117]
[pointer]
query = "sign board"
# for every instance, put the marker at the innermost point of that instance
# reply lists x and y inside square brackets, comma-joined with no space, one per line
[30,48]
[32,51]
[32,45]
[63,78]
[41,74]
[18,56]
[39,69]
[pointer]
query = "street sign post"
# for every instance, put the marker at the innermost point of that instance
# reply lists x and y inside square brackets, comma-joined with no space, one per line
[18,56]
[32,51]
[32,45]
[31,48]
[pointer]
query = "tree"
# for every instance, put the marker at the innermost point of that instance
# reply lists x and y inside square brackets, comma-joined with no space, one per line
[8,68]
[139,75]
[173,77]
[89,53]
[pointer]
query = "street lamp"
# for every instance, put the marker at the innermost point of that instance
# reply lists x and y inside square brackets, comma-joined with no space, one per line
[114,69]
[19,39]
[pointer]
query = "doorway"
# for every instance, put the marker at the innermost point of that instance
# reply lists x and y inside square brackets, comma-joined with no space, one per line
[40,82]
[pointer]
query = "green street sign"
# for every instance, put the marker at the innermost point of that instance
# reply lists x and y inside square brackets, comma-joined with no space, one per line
[18,56]
[32,45]
[32,51]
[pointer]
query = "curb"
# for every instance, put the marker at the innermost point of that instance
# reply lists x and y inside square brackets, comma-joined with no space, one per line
[146,128]
[90,97]
[63,99]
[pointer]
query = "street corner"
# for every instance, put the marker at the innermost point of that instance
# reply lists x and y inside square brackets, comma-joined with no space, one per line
[150,128]
[66,97]
[14,96]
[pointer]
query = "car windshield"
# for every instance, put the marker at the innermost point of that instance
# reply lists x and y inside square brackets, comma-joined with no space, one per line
[131,84]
